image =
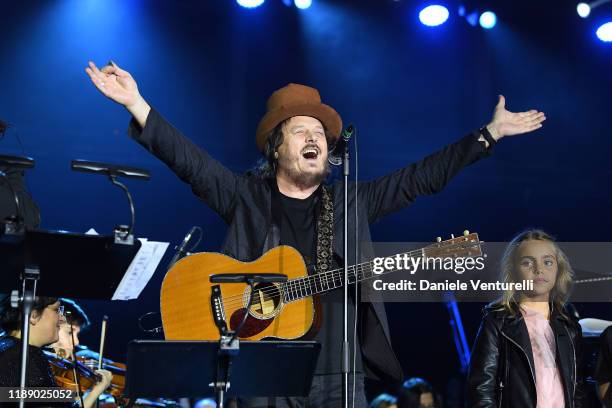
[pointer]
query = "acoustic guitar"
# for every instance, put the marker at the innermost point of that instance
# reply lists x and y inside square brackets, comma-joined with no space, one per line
[193,308]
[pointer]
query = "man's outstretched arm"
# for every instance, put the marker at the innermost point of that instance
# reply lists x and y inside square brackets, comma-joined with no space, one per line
[429,175]
[119,86]
[210,180]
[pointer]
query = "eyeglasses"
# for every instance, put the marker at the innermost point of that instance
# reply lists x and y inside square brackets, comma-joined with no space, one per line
[60,311]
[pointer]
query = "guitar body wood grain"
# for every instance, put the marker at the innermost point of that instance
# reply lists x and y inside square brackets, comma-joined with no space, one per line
[186,308]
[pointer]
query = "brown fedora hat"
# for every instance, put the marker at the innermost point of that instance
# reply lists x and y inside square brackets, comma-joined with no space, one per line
[296,100]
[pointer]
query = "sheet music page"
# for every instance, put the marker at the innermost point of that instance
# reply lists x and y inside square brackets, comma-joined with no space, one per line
[140,270]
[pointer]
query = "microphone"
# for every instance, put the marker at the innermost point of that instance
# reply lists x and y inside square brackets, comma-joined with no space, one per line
[109,169]
[335,156]
[180,250]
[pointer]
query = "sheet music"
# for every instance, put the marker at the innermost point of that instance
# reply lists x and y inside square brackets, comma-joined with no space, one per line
[140,270]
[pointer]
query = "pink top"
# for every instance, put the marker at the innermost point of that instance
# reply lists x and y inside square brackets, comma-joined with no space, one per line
[549,386]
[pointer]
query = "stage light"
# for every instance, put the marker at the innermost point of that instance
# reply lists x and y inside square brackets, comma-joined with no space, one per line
[303,4]
[250,3]
[583,10]
[472,18]
[604,33]
[433,15]
[487,20]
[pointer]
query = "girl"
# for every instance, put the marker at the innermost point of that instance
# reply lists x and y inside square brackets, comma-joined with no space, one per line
[527,350]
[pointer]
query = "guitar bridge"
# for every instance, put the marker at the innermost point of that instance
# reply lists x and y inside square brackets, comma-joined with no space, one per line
[216,302]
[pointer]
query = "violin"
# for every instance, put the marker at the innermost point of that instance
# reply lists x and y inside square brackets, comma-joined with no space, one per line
[64,371]
[90,360]
[79,373]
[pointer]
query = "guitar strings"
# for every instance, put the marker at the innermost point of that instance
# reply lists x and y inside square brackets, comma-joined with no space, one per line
[274,290]
[301,286]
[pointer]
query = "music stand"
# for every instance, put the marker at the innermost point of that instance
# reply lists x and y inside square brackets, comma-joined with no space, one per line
[51,263]
[190,368]
[63,259]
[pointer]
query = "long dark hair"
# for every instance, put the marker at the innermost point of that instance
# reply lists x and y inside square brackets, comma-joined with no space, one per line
[266,166]
[10,317]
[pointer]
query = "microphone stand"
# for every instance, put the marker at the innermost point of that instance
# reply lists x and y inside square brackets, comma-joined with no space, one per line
[31,274]
[345,343]
[29,278]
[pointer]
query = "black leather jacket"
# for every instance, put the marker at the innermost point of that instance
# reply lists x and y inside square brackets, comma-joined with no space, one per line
[502,370]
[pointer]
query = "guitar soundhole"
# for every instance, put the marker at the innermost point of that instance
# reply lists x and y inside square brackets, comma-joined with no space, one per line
[265,305]
[265,302]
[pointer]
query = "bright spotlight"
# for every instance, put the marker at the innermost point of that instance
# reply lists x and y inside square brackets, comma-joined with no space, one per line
[250,3]
[605,32]
[433,15]
[583,10]
[487,20]
[303,4]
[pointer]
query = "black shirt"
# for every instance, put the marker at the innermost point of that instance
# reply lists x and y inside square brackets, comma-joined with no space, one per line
[38,370]
[297,225]
[297,220]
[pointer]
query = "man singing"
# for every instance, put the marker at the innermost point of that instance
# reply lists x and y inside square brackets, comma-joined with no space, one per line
[288,203]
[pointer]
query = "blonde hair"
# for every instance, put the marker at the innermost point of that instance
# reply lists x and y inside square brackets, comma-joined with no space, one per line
[565,274]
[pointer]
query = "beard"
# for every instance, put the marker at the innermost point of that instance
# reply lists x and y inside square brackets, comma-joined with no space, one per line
[304,179]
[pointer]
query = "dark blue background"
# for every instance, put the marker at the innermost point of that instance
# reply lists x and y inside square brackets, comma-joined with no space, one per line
[209,67]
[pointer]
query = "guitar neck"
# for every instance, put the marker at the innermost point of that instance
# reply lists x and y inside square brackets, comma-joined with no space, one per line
[299,288]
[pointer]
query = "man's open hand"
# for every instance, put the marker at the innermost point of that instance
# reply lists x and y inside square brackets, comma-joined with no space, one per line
[506,123]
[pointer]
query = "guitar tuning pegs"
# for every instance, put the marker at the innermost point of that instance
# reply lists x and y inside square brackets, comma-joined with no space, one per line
[466,233]
[439,239]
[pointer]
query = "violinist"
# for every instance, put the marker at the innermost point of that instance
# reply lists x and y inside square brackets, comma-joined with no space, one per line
[45,321]
[76,321]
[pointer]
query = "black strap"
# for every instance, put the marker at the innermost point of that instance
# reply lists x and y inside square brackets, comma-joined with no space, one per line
[325,232]
[487,136]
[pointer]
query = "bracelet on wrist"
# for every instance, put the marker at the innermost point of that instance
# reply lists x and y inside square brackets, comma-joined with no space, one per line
[487,136]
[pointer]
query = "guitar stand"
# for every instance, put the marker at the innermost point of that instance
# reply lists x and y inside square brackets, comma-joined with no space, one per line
[191,368]
[229,346]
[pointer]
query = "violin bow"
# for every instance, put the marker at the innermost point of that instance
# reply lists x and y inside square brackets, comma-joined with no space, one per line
[75,372]
[100,356]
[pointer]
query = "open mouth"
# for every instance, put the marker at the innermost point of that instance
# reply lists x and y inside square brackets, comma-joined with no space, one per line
[310,153]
